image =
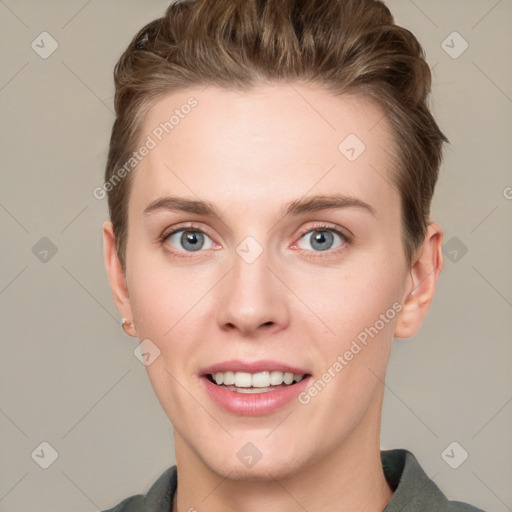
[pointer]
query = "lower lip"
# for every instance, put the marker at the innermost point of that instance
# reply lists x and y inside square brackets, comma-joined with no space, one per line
[254,404]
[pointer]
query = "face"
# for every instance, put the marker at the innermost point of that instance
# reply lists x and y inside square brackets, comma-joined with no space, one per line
[278,248]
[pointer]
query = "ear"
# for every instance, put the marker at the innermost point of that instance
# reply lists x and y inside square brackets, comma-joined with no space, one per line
[117,278]
[423,275]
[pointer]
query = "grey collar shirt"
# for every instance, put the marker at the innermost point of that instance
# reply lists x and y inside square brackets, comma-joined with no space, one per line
[413,490]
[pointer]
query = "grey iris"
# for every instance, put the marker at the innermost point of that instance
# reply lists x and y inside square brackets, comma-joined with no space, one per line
[192,240]
[321,240]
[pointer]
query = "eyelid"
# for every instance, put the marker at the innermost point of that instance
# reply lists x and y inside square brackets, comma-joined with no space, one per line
[319,226]
[187,226]
[326,226]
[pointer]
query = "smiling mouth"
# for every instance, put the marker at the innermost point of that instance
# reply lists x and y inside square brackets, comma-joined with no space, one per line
[260,382]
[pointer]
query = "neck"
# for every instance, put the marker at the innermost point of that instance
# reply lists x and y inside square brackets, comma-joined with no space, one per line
[347,478]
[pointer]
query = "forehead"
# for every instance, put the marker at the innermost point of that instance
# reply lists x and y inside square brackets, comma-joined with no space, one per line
[271,144]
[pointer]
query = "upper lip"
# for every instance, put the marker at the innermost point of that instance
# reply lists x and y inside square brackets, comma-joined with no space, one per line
[252,367]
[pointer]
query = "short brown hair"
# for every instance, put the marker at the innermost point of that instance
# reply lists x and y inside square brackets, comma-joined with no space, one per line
[346,46]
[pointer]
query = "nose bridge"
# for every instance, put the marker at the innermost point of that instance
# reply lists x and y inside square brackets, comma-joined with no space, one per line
[251,297]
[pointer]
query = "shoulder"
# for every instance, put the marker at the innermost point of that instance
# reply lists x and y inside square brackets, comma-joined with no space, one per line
[413,489]
[157,499]
[135,503]
[458,506]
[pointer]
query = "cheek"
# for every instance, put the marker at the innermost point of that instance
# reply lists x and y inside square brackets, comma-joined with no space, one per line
[168,309]
[171,306]
[152,305]
[359,309]
[347,301]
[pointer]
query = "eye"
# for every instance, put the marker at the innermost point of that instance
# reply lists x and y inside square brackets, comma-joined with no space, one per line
[189,240]
[321,239]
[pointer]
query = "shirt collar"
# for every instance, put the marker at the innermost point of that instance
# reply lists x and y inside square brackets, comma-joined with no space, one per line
[413,489]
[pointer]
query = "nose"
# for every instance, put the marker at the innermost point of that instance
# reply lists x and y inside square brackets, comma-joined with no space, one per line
[252,299]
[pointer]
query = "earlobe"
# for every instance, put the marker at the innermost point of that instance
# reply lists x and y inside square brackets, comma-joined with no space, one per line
[421,285]
[117,278]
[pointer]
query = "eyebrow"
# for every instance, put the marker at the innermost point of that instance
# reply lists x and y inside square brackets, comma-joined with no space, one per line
[174,203]
[296,207]
[324,202]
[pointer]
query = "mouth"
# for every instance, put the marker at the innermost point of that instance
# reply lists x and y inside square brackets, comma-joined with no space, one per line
[258,382]
[254,388]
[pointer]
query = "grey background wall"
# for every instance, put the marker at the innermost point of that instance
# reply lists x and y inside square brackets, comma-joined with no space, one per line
[69,377]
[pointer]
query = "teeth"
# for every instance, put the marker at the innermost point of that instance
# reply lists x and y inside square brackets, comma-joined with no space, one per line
[255,380]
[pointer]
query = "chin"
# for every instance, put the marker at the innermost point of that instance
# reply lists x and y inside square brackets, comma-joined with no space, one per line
[259,473]
[261,469]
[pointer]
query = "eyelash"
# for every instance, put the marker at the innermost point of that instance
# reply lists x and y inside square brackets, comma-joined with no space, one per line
[326,227]
[187,227]
[316,254]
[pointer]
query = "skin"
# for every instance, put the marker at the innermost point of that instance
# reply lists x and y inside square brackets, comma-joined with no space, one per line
[249,154]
